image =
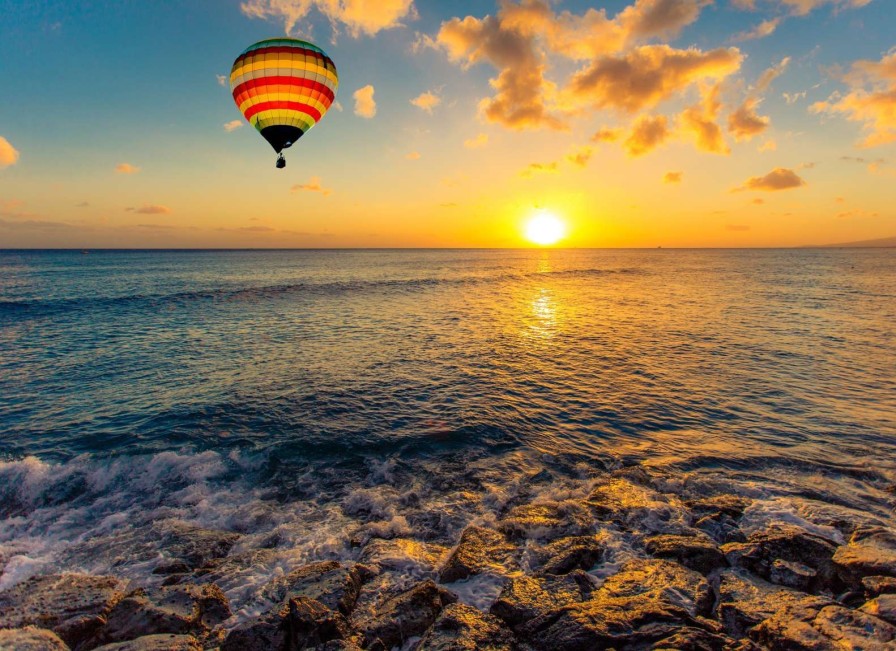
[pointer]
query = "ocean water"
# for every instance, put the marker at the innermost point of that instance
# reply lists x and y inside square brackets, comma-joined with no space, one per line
[311,399]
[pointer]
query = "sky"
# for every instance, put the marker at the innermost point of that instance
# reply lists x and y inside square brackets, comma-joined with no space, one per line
[638,123]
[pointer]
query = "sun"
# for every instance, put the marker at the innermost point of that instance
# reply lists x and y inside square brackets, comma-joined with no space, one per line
[545,228]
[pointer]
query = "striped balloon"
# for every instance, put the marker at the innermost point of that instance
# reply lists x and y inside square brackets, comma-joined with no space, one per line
[283,87]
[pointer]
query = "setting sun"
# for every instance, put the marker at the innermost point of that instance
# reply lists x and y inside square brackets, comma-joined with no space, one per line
[545,228]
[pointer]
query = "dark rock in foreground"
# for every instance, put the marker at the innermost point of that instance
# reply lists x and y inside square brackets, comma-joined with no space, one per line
[698,553]
[462,628]
[883,606]
[811,626]
[525,599]
[299,623]
[406,615]
[333,584]
[870,552]
[480,550]
[546,520]
[73,606]
[193,547]
[156,643]
[567,554]
[30,639]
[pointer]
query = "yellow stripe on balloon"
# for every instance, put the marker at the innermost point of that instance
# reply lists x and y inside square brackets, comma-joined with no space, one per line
[272,69]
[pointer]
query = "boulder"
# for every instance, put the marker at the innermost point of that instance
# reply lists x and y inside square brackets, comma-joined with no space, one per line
[636,507]
[689,638]
[567,554]
[645,602]
[877,585]
[406,615]
[156,643]
[179,609]
[403,553]
[299,623]
[74,606]
[821,627]
[870,552]
[480,550]
[793,575]
[30,639]
[193,547]
[335,585]
[464,628]
[883,606]
[546,520]
[527,598]
[720,527]
[731,505]
[787,543]
[698,553]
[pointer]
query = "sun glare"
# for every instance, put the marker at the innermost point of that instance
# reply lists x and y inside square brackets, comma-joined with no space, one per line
[545,228]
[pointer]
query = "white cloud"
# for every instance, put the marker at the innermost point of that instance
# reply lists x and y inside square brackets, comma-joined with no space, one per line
[426,101]
[358,16]
[233,125]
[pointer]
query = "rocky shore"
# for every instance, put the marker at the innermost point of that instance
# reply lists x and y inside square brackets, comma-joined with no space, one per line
[546,572]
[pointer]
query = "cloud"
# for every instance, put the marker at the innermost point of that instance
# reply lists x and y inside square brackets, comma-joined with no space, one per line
[233,125]
[606,134]
[758,201]
[365,105]
[539,168]
[763,29]
[8,154]
[779,178]
[803,7]
[793,98]
[673,177]
[647,134]
[580,156]
[768,145]
[150,209]
[222,80]
[126,168]
[313,185]
[766,78]
[427,101]
[700,121]
[358,16]
[83,204]
[414,155]
[737,228]
[745,123]
[872,100]
[480,140]
[873,165]
[337,105]
[33,224]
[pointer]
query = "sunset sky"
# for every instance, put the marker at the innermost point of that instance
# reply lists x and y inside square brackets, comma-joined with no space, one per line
[637,122]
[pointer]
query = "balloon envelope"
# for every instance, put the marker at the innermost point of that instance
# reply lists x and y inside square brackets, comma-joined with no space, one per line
[283,87]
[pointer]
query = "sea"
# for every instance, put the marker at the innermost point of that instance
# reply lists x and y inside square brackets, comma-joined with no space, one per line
[309,400]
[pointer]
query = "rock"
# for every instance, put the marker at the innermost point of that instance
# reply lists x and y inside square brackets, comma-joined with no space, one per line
[180,609]
[480,550]
[464,628]
[809,626]
[787,543]
[878,585]
[526,598]
[400,553]
[298,623]
[646,601]
[406,615]
[793,575]
[156,643]
[626,503]
[74,606]
[195,547]
[870,552]
[546,520]
[746,601]
[30,639]
[720,527]
[883,606]
[698,553]
[568,554]
[172,567]
[333,584]
[689,638]
[731,505]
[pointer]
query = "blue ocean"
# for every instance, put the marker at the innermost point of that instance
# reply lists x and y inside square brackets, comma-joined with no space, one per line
[307,400]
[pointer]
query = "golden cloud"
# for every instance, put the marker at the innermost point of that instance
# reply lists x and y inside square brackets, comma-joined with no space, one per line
[539,168]
[150,209]
[606,134]
[8,154]
[313,185]
[365,105]
[673,177]
[779,178]
[803,7]
[872,100]
[426,101]
[126,168]
[580,156]
[414,155]
[233,125]
[763,29]
[359,16]
[480,140]
[647,134]
[745,123]
[700,121]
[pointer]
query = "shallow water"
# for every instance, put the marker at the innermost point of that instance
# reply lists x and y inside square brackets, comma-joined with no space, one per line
[302,397]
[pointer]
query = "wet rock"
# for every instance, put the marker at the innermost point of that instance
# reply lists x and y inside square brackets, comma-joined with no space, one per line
[746,601]
[787,543]
[720,527]
[299,623]
[74,606]
[870,552]
[333,584]
[195,547]
[698,553]
[646,601]
[179,609]
[546,520]
[689,638]
[406,615]
[527,598]
[480,550]
[793,575]
[401,553]
[883,606]
[878,585]
[156,643]
[810,626]
[567,554]
[30,639]
[172,567]
[464,628]
[731,505]
[634,506]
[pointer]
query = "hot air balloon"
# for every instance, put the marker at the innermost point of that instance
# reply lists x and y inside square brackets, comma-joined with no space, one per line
[283,87]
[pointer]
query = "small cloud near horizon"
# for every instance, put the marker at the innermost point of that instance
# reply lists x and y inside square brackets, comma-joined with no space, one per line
[480,140]
[150,209]
[778,179]
[673,177]
[126,168]
[313,185]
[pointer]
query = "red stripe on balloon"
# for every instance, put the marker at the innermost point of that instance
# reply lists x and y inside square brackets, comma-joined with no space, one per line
[276,80]
[280,104]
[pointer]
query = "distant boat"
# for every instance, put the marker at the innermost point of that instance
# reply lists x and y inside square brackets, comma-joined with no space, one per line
[84,251]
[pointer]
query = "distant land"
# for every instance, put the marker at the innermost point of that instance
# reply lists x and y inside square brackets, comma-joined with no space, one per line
[882,243]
